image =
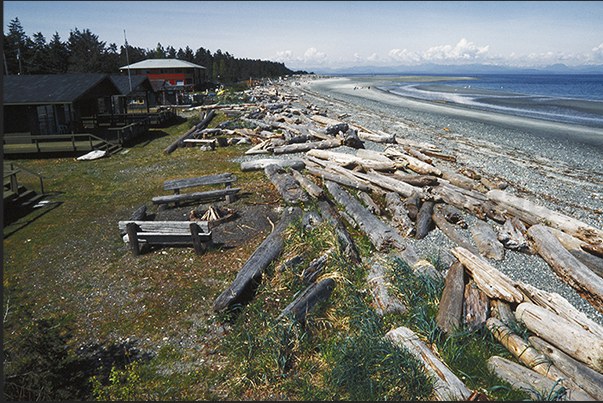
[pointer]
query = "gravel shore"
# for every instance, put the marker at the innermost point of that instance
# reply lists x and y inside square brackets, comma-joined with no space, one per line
[556,165]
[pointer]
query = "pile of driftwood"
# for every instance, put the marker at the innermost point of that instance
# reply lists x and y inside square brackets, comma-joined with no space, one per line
[401,193]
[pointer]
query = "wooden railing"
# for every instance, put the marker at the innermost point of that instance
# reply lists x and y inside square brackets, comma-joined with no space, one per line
[12,172]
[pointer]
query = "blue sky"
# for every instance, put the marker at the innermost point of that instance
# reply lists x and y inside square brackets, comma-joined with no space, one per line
[316,34]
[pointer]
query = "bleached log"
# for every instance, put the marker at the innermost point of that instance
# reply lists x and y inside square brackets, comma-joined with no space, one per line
[471,201]
[334,177]
[445,157]
[416,180]
[490,280]
[532,214]
[569,337]
[560,306]
[570,269]
[345,159]
[310,187]
[400,219]
[372,155]
[412,204]
[573,245]
[379,284]
[447,386]
[325,120]
[459,180]
[588,379]
[418,155]
[532,358]
[254,165]
[303,147]
[450,231]
[286,184]
[528,380]
[450,310]
[414,164]
[486,241]
[476,307]
[417,144]
[389,183]
[511,235]
[350,138]
[377,138]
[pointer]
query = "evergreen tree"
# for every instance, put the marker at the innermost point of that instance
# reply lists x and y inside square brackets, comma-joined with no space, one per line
[85,52]
[159,52]
[58,56]
[15,45]
[39,55]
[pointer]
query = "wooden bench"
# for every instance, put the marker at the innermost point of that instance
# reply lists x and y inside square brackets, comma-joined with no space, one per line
[228,192]
[166,233]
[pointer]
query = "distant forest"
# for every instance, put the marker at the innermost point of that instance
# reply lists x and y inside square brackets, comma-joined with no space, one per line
[83,52]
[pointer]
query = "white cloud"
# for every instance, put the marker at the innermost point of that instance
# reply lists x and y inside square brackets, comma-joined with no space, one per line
[598,52]
[313,56]
[462,51]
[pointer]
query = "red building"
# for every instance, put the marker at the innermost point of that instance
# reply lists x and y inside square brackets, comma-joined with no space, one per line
[173,79]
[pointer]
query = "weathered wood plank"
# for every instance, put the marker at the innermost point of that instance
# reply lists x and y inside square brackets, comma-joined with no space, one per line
[199,181]
[164,226]
[255,165]
[206,195]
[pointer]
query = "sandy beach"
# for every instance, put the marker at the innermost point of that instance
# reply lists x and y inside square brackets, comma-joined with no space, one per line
[556,165]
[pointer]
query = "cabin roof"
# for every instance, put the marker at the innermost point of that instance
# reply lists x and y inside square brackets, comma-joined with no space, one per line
[51,88]
[162,64]
[139,83]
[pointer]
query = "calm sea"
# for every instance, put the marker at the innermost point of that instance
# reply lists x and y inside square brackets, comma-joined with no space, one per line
[571,98]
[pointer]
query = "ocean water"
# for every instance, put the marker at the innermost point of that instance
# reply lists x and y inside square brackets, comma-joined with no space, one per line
[571,98]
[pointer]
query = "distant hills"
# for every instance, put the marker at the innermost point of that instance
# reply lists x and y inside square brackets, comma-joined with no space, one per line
[430,68]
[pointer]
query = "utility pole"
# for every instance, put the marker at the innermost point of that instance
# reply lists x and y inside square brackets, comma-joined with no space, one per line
[128,61]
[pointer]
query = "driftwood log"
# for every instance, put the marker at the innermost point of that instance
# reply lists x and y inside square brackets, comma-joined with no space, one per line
[381,235]
[532,214]
[286,184]
[490,280]
[255,165]
[202,125]
[511,235]
[424,220]
[378,283]
[569,337]
[450,231]
[502,311]
[310,187]
[486,241]
[570,269]
[400,219]
[533,359]
[574,246]
[520,377]
[329,214]
[451,302]
[447,386]
[560,306]
[371,206]
[303,147]
[588,379]
[334,177]
[307,300]
[251,272]
[476,307]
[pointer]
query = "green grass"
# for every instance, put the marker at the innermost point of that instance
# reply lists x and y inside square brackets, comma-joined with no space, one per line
[73,293]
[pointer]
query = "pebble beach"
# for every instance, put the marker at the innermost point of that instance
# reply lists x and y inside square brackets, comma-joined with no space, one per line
[556,165]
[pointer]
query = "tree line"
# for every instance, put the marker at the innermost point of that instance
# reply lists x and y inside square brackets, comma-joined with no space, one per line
[83,52]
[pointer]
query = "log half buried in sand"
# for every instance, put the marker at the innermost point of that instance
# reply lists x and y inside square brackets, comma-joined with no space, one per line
[570,269]
[307,301]
[569,337]
[330,214]
[532,214]
[250,274]
[447,386]
[451,302]
[486,241]
[533,359]
[383,301]
[520,377]
[286,184]
[588,379]
[450,231]
[490,280]
[255,165]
